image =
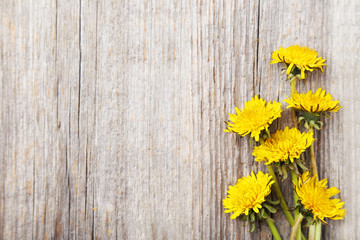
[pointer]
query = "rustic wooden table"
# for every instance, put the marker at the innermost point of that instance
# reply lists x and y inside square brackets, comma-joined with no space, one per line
[112,112]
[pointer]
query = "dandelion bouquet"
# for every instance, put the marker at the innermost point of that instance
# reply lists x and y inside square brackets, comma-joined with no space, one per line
[283,153]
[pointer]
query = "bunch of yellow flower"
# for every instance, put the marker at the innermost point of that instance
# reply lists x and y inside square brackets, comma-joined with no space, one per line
[285,150]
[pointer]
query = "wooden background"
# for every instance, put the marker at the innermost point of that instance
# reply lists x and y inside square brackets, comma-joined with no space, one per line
[112,112]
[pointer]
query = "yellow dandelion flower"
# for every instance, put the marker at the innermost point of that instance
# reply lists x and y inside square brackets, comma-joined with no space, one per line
[315,196]
[303,58]
[283,145]
[248,194]
[313,102]
[255,117]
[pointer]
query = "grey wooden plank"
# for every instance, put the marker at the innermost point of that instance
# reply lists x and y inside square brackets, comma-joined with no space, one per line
[18,145]
[340,164]
[68,73]
[87,101]
[43,124]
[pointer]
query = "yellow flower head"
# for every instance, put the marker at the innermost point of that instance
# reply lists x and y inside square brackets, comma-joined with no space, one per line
[283,145]
[313,102]
[248,194]
[315,196]
[303,58]
[255,117]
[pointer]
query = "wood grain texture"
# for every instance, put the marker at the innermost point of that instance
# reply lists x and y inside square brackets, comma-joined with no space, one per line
[112,113]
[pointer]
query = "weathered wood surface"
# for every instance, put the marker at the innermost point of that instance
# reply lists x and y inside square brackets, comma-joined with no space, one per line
[112,112]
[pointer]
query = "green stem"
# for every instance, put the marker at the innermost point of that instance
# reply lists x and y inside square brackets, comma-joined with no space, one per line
[312,158]
[312,232]
[296,226]
[293,113]
[273,229]
[280,196]
[292,93]
[317,230]
[294,177]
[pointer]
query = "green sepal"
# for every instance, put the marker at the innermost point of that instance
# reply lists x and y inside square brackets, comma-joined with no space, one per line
[310,116]
[312,123]
[270,208]
[301,165]
[316,126]
[263,214]
[291,167]
[306,125]
[279,169]
[273,202]
[252,217]
[295,168]
[301,119]
[284,170]
[253,227]
[326,115]
[298,205]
